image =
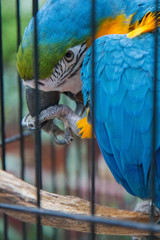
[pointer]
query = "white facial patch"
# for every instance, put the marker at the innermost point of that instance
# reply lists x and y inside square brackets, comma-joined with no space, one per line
[72,84]
[66,74]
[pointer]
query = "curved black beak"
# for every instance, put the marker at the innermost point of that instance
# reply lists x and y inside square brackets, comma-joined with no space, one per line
[46,99]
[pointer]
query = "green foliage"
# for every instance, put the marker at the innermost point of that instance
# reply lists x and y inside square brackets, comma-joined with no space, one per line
[9,26]
[9,31]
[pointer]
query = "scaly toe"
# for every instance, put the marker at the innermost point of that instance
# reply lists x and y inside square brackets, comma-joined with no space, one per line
[145,207]
[28,121]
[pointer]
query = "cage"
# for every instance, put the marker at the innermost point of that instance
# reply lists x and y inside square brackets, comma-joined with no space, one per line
[76,174]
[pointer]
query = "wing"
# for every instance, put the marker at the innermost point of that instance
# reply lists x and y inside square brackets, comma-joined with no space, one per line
[124,107]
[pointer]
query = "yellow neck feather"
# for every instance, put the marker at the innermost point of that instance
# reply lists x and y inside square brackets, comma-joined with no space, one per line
[121,25]
[148,24]
[118,25]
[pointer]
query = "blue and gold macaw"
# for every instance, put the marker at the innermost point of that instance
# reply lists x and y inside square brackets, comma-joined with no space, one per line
[124,78]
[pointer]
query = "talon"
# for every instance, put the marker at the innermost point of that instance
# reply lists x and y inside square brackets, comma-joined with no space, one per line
[145,207]
[24,120]
[66,138]
[46,117]
[65,114]
[31,125]
[55,131]
[28,121]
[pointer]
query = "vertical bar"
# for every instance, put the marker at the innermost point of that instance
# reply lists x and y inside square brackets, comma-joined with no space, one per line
[154,137]
[20,96]
[153,163]
[79,156]
[93,236]
[53,164]
[89,168]
[53,179]
[37,132]
[66,188]
[24,232]
[2,117]
[66,234]
[2,97]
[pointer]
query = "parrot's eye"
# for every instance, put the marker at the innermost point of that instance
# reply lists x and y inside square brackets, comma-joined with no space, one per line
[69,56]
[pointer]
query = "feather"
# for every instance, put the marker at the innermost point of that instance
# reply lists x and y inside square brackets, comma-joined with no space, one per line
[124,109]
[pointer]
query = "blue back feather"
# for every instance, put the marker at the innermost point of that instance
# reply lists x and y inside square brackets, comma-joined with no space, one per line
[124,108]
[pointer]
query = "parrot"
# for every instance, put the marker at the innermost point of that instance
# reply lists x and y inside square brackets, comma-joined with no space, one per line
[124,79]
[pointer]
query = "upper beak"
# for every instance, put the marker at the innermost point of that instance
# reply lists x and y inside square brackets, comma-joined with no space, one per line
[46,99]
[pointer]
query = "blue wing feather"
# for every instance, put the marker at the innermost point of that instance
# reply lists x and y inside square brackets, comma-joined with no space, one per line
[124,108]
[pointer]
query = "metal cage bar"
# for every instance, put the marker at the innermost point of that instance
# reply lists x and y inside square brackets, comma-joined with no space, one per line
[38,151]
[2,116]
[21,137]
[16,137]
[154,135]
[20,95]
[93,236]
[153,165]
[150,227]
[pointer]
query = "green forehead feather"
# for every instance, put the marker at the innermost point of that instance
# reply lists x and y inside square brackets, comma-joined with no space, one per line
[48,56]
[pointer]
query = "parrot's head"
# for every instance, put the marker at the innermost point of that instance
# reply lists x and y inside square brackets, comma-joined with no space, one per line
[65,74]
[63,28]
[62,32]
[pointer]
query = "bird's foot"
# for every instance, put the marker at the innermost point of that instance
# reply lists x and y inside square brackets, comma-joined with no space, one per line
[46,122]
[29,121]
[60,137]
[145,207]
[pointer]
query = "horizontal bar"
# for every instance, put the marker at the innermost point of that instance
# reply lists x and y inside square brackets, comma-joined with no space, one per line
[17,137]
[92,219]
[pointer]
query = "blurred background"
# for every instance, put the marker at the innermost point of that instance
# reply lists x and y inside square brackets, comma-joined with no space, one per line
[65,169]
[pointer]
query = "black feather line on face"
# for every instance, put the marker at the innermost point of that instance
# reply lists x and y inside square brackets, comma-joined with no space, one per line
[66,71]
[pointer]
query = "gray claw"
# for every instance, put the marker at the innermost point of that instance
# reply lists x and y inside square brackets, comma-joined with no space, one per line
[52,129]
[145,208]
[28,121]
[66,139]
[62,112]
[46,117]
[65,114]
